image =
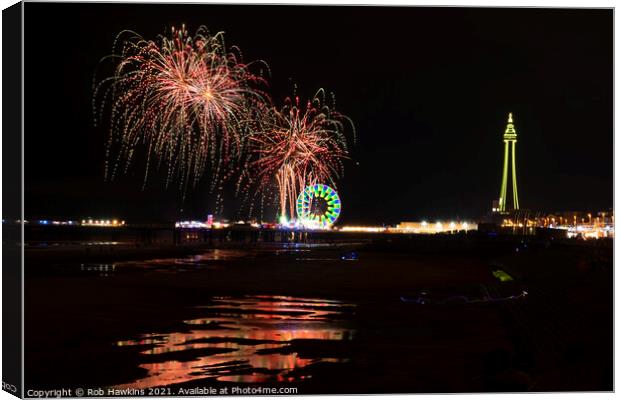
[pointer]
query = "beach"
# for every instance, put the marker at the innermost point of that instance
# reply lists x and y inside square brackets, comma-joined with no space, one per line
[301,315]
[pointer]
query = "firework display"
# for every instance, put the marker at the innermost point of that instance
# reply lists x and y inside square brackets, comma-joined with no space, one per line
[187,103]
[306,209]
[187,100]
[306,199]
[300,145]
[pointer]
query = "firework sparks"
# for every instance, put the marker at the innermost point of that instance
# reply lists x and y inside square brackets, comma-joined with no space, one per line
[299,145]
[187,99]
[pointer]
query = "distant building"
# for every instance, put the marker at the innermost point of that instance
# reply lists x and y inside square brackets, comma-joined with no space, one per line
[495,206]
[433,227]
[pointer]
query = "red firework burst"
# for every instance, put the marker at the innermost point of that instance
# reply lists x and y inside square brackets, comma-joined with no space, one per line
[299,145]
[187,99]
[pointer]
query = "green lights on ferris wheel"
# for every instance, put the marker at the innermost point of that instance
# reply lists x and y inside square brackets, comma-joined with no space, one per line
[304,205]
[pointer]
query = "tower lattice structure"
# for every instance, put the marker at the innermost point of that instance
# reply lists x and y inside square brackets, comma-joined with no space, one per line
[510,143]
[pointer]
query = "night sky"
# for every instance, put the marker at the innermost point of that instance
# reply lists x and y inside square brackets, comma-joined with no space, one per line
[429,90]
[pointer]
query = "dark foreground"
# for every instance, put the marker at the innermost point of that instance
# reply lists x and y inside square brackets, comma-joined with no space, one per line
[302,317]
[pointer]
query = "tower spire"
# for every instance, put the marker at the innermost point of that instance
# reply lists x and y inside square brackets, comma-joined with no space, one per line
[510,127]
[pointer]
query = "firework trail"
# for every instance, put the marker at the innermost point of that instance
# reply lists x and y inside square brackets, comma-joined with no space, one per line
[186,99]
[299,145]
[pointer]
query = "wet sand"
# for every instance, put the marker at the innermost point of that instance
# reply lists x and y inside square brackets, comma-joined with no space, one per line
[559,338]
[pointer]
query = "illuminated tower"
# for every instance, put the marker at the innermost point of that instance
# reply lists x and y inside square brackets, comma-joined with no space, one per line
[510,142]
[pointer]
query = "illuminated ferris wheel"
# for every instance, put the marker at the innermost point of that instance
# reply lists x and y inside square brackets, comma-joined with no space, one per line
[318,205]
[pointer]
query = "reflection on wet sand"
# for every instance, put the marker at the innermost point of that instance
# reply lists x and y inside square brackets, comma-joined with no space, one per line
[196,260]
[239,339]
[213,259]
